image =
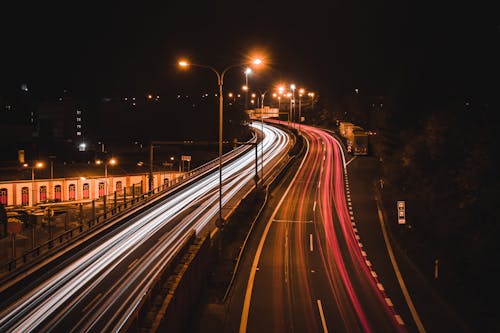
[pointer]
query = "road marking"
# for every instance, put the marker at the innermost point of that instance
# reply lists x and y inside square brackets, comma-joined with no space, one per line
[92,303]
[322,315]
[286,256]
[314,206]
[248,293]
[311,246]
[406,294]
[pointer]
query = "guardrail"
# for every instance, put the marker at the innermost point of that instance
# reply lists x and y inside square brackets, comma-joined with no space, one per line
[102,212]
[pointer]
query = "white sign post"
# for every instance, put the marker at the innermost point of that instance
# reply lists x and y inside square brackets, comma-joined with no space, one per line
[401,212]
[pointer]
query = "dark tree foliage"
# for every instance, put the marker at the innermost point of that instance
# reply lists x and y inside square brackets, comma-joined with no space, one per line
[444,167]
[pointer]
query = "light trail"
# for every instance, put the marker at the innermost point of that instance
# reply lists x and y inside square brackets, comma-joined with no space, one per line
[337,271]
[48,304]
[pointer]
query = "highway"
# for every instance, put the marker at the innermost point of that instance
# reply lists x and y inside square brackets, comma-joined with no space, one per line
[310,272]
[99,288]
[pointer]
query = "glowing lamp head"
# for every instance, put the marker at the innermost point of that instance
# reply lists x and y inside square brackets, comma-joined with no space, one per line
[39,165]
[248,70]
[292,86]
[112,161]
[183,63]
[257,61]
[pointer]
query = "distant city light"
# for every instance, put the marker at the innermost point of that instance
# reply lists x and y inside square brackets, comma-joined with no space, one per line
[24,87]
[82,146]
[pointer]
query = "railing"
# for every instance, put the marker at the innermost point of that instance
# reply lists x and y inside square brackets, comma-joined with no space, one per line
[97,213]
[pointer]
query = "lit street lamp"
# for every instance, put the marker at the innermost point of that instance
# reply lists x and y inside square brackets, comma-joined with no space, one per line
[112,161]
[36,165]
[311,94]
[248,70]
[301,92]
[220,82]
[292,102]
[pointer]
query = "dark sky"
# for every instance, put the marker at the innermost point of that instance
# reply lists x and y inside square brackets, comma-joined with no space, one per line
[120,48]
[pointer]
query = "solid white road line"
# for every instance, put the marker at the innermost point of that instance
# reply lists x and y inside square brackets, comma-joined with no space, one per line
[322,315]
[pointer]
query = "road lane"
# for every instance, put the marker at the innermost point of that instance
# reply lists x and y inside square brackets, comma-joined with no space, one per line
[99,288]
[332,287]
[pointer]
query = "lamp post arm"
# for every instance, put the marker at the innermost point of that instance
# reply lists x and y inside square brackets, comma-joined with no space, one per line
[219,76]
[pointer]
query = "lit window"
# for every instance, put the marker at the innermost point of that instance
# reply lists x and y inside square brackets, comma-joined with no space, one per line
[78,119]
[78,133]
[78,112]
[78,126]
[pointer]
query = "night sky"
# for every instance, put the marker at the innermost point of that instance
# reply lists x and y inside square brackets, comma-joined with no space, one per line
[436,48]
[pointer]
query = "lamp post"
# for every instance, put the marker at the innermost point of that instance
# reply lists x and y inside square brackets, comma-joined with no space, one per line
[292,101]
[311,94]
[33,167]
[220,81]
[112,161]
[289,95]
[301,92]
[248,70]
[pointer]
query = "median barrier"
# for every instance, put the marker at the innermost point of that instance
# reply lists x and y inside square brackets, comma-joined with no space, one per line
[168,304]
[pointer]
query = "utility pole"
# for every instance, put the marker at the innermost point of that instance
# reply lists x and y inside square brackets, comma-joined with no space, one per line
[150,167]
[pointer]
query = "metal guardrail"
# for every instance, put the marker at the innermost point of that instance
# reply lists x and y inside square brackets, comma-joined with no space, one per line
[109,214]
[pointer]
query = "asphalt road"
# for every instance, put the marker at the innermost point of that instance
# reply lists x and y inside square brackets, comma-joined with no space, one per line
[98,288]
[310,271]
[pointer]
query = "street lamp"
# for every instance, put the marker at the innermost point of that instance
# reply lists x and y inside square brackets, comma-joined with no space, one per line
[289,95]
[111,161]
[220,81]
[301,92]
[36,165]
[248,70]
[292,101]
[311,94]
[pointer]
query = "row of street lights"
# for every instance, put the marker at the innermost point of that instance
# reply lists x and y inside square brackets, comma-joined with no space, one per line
[40,165]
[220,81]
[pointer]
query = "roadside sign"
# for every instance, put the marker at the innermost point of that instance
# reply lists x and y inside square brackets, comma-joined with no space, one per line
[186,158]
[401,212]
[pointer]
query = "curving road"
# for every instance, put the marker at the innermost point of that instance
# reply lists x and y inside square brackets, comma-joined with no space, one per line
[310,272]
[98,288]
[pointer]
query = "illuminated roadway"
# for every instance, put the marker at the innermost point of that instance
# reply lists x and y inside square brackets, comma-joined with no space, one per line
[310,272]
[98,288]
